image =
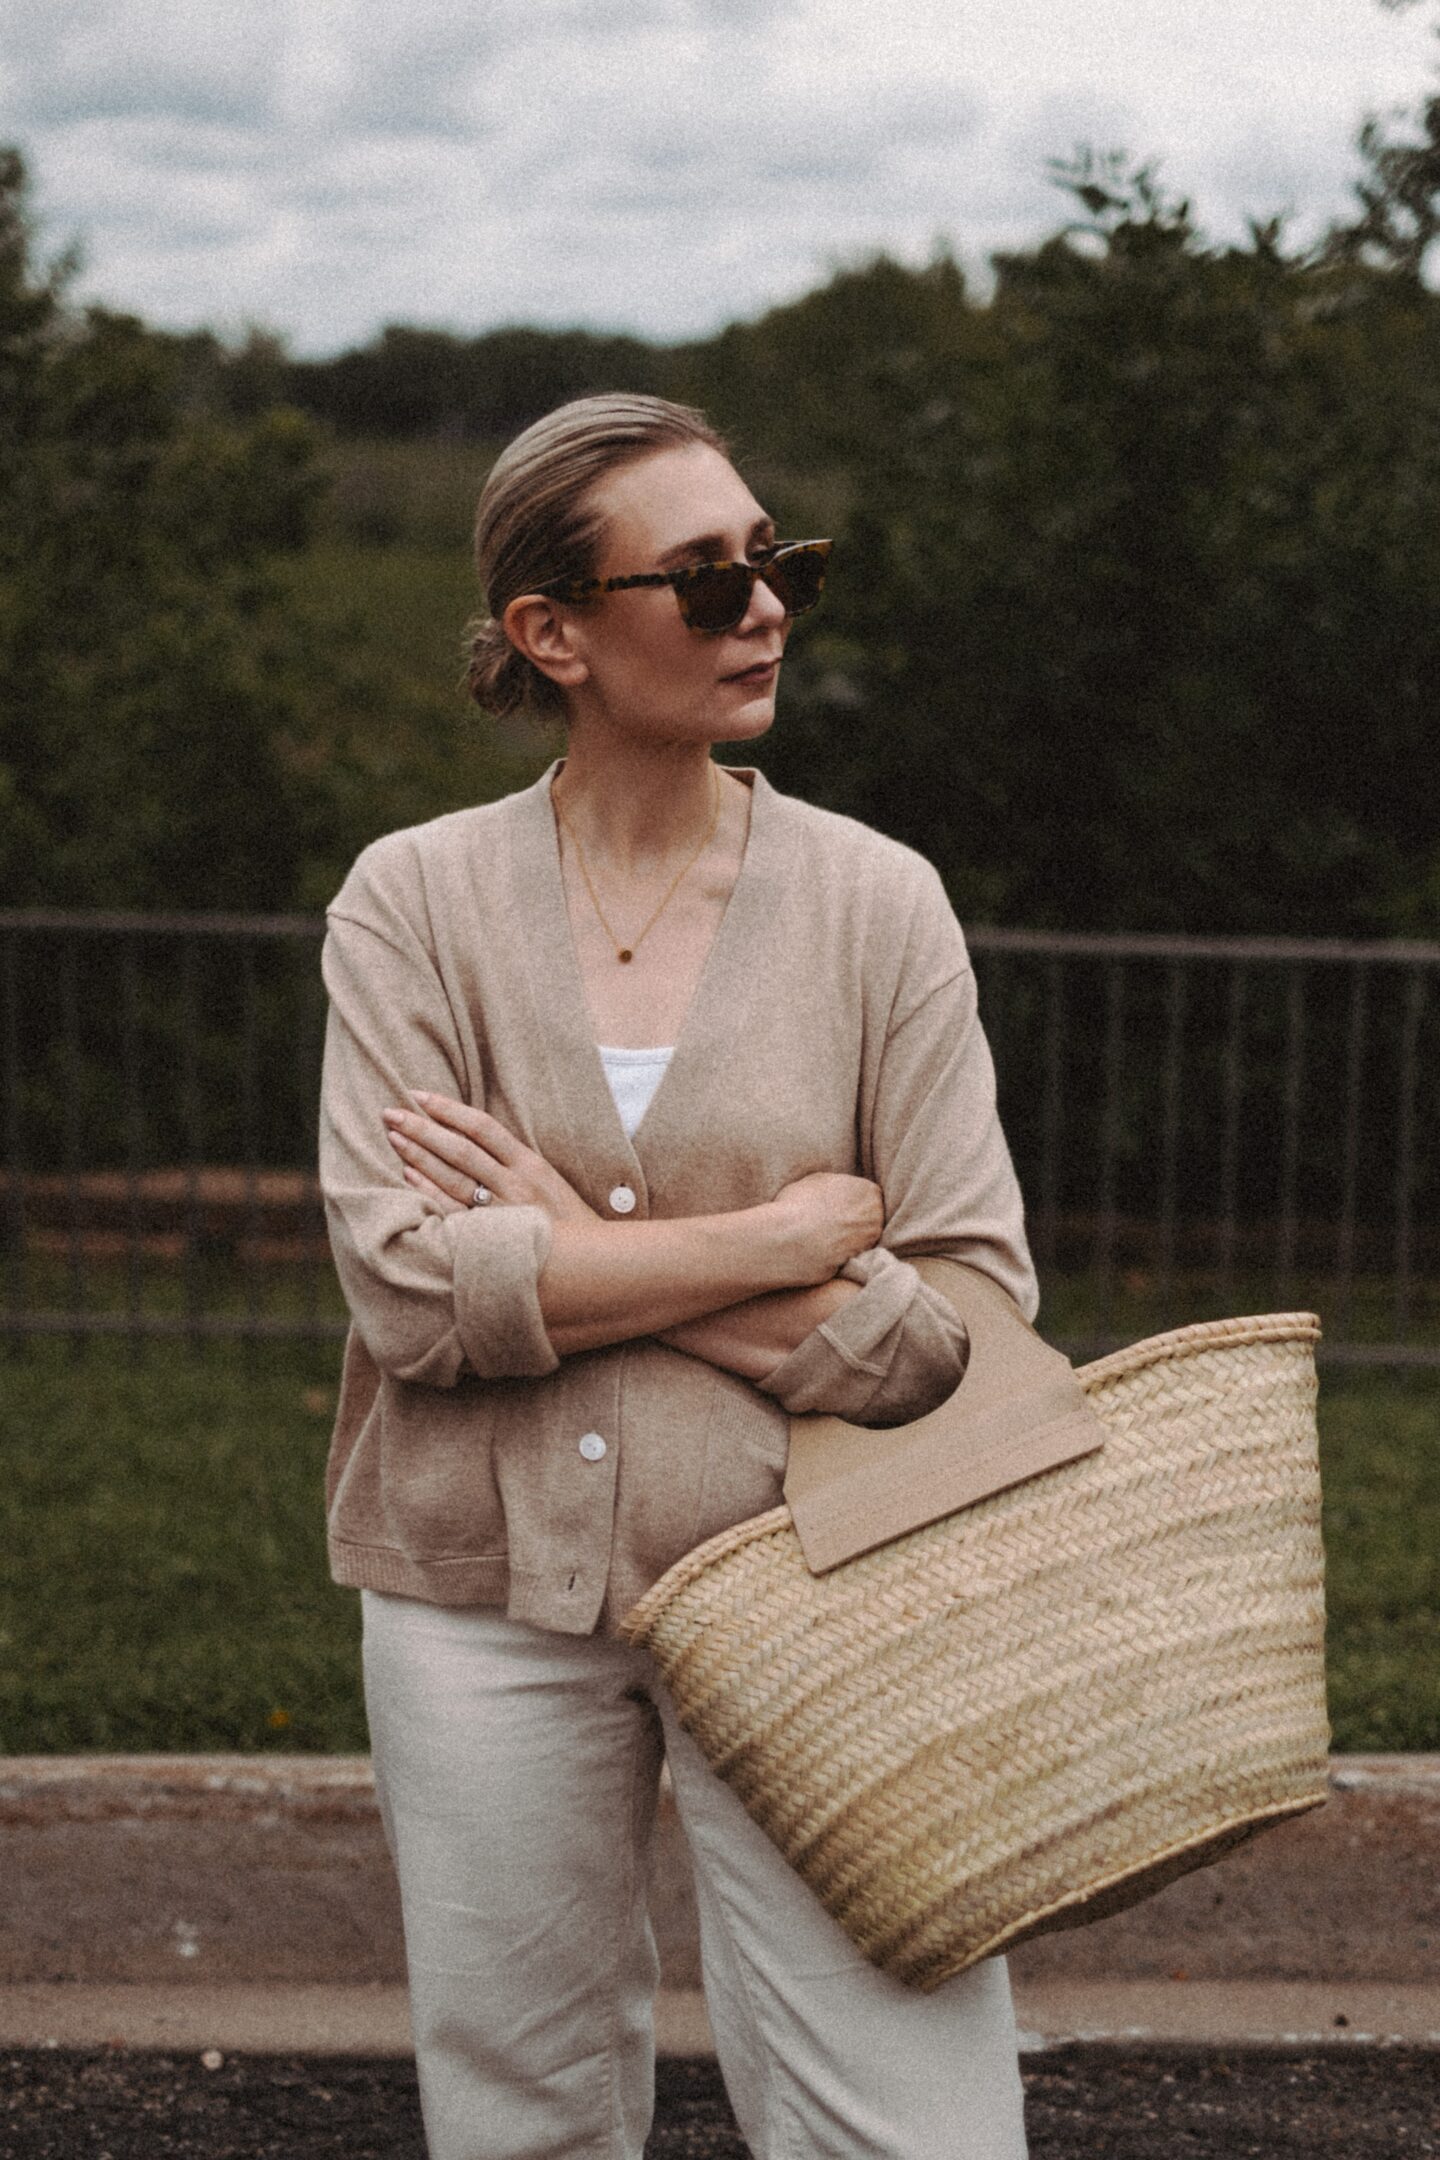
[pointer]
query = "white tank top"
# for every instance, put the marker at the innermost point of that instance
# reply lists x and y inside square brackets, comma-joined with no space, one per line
[634,1076]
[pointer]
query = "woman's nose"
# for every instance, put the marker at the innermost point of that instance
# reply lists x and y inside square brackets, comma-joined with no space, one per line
[764,610]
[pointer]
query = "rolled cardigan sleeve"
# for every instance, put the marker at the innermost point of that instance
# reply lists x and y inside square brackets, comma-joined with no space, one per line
[428,1291]
[888,1355]
[934,1145]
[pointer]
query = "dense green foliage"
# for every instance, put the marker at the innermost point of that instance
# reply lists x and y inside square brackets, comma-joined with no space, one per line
[412,382]
[1135,627]
[1131,621]
[146,673]
[184,1494]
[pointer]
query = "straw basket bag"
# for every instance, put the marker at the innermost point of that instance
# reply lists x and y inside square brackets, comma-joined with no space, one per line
[1046,1706]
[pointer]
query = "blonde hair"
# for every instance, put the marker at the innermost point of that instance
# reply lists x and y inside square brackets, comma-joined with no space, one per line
[535,522]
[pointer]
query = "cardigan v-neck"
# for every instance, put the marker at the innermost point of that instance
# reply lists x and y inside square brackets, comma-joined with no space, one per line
[721,998]
[833,1027]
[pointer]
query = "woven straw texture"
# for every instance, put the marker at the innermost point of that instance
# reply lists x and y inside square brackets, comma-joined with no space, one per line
[1049,1705]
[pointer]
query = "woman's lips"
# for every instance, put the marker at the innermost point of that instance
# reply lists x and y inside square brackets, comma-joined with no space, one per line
[760,673]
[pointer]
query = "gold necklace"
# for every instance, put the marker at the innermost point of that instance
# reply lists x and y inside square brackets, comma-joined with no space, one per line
[626,953]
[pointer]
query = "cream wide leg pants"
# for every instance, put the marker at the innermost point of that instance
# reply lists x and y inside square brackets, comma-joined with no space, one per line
[518,1773]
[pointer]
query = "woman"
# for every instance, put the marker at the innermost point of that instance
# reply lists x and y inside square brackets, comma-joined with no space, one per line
[652,1098]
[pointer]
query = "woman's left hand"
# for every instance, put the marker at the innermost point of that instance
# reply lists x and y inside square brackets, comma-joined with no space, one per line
[448,1148]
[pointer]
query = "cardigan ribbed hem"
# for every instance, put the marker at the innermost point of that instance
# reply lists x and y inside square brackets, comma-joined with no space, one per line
[469,1579]
[568,1606]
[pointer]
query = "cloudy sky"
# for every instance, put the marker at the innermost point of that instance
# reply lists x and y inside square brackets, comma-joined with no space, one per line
[321,167]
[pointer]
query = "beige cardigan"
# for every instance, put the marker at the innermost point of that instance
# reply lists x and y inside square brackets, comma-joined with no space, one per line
[834,1028]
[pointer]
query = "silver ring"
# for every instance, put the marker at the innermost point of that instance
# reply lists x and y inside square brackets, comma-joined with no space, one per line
[483,1196]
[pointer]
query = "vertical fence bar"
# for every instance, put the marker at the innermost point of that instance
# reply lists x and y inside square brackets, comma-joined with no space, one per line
[1290,1135]
[1109,1144]
[16,1286]
[1170,1125]
[1405,1151]
[1230,1142]
[190,1127]
[1051,1115]
[70,1039]
[134,1143]
[248,1096]
[1350,1147]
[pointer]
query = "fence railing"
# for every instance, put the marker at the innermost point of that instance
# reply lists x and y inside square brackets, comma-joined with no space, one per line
[1206,1125]
[1201,1126]
[159,1078]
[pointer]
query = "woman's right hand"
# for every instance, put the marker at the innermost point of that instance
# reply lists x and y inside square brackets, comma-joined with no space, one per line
[827,1218]
[448,1148]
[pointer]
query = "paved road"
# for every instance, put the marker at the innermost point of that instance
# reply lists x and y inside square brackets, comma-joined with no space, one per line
[1083,2104]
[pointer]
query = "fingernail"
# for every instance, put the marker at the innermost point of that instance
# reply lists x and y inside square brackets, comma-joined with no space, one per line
[418,1094]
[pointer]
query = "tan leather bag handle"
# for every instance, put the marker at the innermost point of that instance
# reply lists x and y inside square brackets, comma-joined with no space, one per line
[1018,1411]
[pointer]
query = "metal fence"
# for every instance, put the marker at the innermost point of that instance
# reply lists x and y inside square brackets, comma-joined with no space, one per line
[1214,1125]
[1201,1126]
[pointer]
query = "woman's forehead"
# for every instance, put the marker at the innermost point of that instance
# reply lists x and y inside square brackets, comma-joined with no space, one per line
[675,496]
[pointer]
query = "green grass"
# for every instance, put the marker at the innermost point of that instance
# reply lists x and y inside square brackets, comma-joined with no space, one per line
[1380,1469]
[163,1582]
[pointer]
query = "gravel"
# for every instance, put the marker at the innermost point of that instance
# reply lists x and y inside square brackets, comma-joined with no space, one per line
[1082,2104]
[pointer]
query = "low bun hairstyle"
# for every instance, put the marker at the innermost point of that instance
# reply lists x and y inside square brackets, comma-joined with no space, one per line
[497,676]
[534,522]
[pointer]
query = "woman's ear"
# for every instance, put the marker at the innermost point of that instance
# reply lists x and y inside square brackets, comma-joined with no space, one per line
[544,632]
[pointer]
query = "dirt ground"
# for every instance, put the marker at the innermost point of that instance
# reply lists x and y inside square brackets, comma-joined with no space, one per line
[1082,2104]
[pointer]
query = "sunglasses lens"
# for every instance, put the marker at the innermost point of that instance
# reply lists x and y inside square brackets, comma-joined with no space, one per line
[716,596]
[797,580]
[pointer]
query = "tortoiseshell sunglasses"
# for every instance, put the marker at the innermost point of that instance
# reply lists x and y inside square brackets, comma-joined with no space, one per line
[714,596]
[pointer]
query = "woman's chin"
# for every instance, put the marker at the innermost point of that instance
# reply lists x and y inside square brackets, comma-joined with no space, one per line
[749,717]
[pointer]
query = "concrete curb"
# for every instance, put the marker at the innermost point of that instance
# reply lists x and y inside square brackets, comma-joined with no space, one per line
[289,2018]
[248,1903]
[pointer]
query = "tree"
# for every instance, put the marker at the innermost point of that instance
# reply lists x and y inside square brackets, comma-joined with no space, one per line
[410,382]
[1137,595]
[1398,219]
[147,665]
[807,385]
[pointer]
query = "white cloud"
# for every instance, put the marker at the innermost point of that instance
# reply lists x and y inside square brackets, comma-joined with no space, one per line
[77,60]
[660,165]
